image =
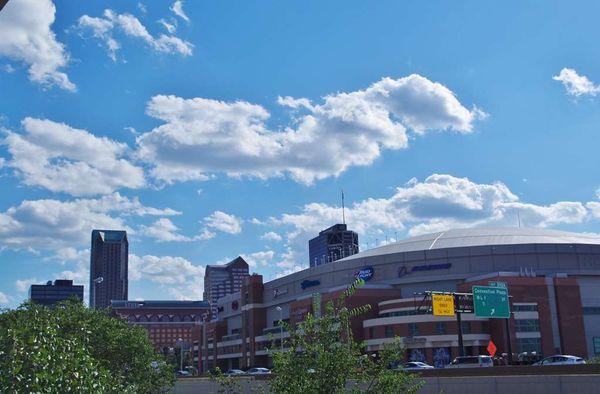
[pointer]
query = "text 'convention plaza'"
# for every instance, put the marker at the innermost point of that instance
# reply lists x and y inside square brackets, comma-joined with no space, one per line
[553,279]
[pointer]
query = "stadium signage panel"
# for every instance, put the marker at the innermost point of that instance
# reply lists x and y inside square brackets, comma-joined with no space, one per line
[403,270]
[365,273]
[279,292]
[305,284]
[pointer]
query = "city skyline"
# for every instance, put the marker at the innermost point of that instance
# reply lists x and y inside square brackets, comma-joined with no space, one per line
[209,132]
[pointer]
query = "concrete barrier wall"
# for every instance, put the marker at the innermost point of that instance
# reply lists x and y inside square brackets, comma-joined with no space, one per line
[527,384]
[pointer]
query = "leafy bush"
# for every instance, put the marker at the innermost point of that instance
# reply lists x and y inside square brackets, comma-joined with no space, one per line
[70,348]
[323,357]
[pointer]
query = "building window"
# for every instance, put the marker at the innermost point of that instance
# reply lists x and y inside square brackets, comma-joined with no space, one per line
[413,329]
[591,310]
[466,327]
[596,341]
[527,325]
[371,332]
[525,308]
[389,331]
[528,345]
[440,328]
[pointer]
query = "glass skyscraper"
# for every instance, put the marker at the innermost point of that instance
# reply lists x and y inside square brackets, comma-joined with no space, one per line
[109,258]
[333,243]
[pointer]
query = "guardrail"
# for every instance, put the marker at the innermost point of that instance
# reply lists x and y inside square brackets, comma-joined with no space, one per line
[514,370]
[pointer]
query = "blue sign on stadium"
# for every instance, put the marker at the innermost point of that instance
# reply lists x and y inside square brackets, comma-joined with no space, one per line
[309,283]
[365,273]
[402,271]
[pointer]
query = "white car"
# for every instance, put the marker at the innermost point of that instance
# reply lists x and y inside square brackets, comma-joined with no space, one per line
[415,366]
[235,372]
[471,362]
[258,371]
[561,359]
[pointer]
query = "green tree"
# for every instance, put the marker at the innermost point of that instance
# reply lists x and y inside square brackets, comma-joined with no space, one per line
[71,348]
[322,356]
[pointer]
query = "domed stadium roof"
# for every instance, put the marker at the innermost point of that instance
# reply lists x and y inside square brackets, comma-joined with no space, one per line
[480,237]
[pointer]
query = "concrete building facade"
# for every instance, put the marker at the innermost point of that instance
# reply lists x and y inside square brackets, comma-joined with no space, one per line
[51,293]
[553,278]
[222,280]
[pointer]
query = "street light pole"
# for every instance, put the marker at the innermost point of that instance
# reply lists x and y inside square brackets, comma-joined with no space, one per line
[180,354]
[280,327]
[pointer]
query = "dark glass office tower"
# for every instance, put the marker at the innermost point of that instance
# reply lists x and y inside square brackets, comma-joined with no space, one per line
[51,293]
[109,259]
[333,243]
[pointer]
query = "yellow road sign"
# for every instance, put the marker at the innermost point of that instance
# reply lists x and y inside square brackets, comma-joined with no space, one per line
[443,304]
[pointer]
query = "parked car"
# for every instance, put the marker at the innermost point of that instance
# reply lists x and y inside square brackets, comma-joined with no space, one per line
[183,373]
[471,362]
[235,372]
[415,366]
[258,371]
[561,359]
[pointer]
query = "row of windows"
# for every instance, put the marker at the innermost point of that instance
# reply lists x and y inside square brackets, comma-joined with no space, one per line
[408,312]
[591,310]
[596,342]
[529,345]
[527,325]
[525,308]
[441,328]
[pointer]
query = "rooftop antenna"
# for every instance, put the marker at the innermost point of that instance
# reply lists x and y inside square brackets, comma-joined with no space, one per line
[343,209]
[519,219]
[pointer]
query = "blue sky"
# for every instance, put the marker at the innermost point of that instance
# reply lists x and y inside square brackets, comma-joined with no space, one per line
[210,130]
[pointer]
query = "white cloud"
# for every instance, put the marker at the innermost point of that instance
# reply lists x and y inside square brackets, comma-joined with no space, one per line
[182,279]
[27,37]
[54,225]
[60,158]
[262,258]
[201,137]
[164,230]
[103,28]
[23,285]
[575,84]
[3,298]
[170,27]
[438,203]
[177,9]
[224,222]
[142,7]
[271,236]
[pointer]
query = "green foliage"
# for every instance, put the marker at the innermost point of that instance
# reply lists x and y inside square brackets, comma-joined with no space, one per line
[70,348]
[227,384]
[323,357]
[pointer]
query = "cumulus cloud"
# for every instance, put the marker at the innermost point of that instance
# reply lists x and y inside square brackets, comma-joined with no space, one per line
[223,222]
[575,84]
[164,230]
[104,27]
[3,298]
[170,27]
[201,136]
[27,37]
[256,259]
[54,225]
[177,9]
[61,158]
[23,285]
[180,277]
[271,236]
[438,203]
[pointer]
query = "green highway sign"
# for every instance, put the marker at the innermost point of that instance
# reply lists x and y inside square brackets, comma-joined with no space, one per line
[491,302]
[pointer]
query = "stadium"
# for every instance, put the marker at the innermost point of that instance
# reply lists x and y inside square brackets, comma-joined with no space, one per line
[553,279]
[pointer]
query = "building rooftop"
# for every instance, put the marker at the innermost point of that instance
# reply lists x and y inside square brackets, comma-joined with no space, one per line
[479,237]
[110,235]
[171,304]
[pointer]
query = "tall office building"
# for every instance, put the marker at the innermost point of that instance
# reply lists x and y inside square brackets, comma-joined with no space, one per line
[333,243]
[108,267]
[221,280]
[51,293]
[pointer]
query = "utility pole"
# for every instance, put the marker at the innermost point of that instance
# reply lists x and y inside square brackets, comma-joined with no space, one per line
[461,348]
